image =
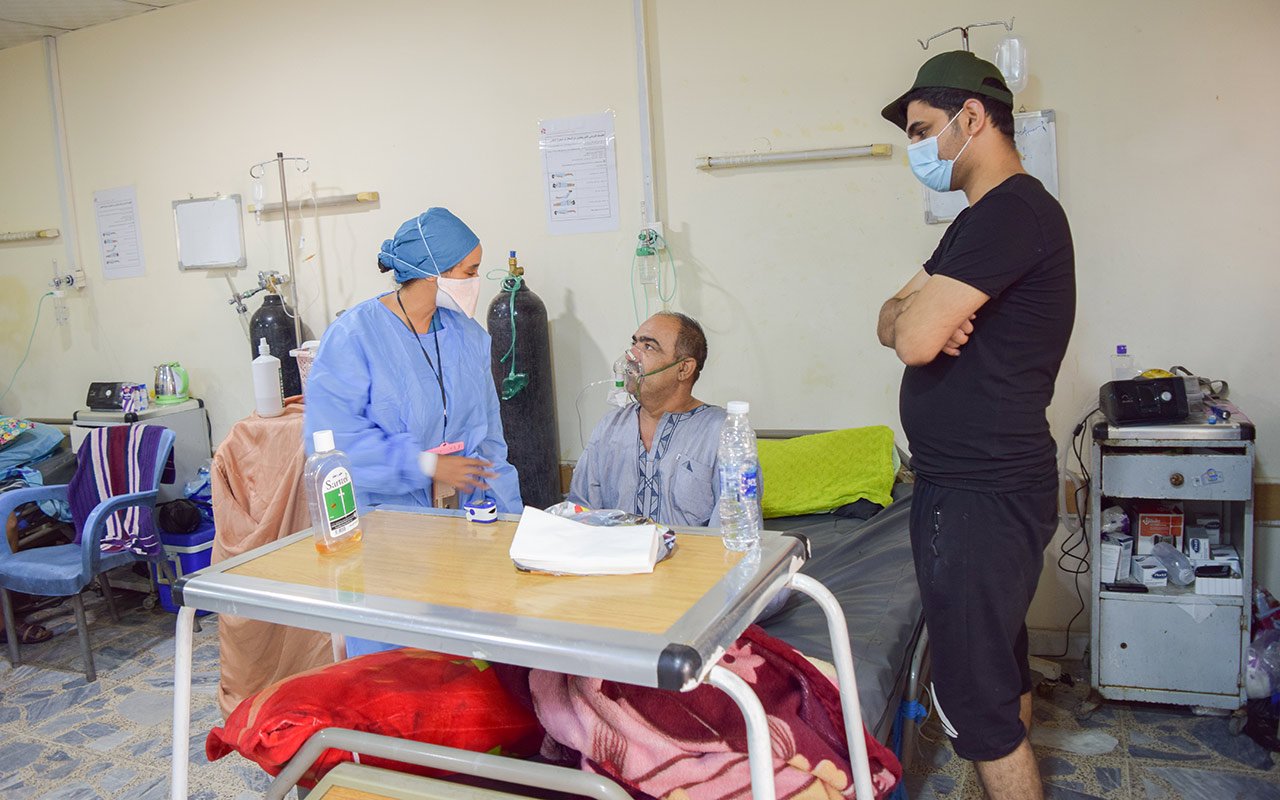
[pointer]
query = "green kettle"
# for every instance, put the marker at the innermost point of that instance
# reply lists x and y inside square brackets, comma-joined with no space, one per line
[171,383]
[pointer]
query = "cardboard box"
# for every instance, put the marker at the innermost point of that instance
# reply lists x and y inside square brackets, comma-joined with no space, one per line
[1125,542]
[1148,571]
[1158,523]
[1225,554]
[1228,587]
[1197,546]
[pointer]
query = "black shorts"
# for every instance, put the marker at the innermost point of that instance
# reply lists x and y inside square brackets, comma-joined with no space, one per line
[978,558]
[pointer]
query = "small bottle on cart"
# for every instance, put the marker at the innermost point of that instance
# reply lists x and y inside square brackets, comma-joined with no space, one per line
[331,496]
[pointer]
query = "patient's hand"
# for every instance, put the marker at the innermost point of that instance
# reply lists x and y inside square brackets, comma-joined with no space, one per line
[960,338]
[463,473]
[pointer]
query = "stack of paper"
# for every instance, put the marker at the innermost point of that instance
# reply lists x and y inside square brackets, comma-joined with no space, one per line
[547,543]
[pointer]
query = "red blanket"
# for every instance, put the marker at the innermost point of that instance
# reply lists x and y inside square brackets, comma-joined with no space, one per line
[694,744]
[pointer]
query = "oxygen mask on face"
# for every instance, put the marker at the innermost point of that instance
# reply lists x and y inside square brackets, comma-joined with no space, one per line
[625,370]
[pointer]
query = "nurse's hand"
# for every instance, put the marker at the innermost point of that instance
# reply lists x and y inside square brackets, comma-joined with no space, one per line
[464,473]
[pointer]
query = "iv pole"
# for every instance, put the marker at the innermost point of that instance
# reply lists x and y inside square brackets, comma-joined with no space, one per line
[257,171]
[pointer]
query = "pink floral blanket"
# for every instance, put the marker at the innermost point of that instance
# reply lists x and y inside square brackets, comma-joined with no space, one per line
[693,745]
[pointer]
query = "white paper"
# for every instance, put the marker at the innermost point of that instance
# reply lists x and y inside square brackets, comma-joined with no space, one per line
[580,173]
[546,542]
[118,240]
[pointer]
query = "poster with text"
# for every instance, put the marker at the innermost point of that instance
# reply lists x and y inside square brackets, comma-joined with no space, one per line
[118,239]
[580,173]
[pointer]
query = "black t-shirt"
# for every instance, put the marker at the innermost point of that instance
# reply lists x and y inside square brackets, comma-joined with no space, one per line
[977,420]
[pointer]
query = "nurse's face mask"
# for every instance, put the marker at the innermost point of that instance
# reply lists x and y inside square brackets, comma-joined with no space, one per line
[460,294]
[928,167]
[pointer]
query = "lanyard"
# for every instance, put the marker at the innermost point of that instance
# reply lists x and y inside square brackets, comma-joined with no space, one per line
[439,373]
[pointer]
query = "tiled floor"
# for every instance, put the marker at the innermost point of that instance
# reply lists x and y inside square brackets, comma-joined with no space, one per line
[1121,751]
[63,739]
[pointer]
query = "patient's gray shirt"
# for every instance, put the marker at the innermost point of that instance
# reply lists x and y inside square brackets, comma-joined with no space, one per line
[675,482]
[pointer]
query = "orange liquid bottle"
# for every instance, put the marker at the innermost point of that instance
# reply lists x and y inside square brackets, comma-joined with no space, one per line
[331,496]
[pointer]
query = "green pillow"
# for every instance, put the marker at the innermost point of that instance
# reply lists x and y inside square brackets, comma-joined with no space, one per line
[823,471]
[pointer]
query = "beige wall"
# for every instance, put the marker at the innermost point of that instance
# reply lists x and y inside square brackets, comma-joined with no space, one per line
[1168,174]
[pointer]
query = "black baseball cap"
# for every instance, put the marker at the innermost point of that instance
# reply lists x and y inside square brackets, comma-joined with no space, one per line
[957,69]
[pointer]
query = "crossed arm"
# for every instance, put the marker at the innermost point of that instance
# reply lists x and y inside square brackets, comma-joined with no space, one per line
[932,314]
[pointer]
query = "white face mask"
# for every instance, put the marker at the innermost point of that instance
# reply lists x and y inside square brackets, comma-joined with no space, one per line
[460,294]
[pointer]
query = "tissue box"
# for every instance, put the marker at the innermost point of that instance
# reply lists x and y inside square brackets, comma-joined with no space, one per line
[1125,542]
[1157,523]
[1197,546]
[1148,571]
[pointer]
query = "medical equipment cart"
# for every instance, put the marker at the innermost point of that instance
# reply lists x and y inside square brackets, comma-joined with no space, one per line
[1170,644]
[427,578]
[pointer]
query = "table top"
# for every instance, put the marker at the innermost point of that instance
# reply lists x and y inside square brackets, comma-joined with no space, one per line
[431,579]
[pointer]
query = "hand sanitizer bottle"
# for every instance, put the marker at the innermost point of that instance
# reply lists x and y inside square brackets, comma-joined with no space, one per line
[331,497]
[268,391]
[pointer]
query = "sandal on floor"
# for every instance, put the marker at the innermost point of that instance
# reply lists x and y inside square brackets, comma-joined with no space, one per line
[28,634]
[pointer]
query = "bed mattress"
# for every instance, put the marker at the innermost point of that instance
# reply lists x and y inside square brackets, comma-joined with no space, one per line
[867,565]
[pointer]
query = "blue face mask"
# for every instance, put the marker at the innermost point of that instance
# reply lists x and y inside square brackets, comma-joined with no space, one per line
[930,170]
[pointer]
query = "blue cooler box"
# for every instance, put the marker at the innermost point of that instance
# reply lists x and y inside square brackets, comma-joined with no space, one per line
[187,552]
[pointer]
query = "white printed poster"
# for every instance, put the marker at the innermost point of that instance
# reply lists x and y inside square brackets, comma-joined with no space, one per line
[118,239]
[580,173]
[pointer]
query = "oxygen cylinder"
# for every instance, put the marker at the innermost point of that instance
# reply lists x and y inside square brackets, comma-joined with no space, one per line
[270,322]
[522,375]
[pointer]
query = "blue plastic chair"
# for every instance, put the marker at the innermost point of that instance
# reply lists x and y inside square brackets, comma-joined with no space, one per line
[65,570]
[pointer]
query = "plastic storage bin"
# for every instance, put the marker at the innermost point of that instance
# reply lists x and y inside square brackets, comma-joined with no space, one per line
[187,552]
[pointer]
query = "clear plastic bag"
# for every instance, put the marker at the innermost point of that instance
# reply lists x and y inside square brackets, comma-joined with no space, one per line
[612,518]
[1115,520]
[1262,672]
[199,490]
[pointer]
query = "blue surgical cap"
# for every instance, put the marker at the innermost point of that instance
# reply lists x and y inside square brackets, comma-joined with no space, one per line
[428,245]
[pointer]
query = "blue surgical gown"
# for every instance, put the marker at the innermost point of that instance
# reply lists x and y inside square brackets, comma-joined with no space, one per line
[371,386]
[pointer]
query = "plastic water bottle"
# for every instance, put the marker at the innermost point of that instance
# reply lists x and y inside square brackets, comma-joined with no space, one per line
[331,496]
[1122,368]
[739,480]
[268,390]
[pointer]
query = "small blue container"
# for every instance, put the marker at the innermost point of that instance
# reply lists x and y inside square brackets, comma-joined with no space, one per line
[187,552]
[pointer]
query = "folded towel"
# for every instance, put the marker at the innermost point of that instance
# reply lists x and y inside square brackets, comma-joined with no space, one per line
[547,543]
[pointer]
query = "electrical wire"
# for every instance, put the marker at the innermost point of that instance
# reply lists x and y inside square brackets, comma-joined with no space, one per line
[1069,548]
[30,339]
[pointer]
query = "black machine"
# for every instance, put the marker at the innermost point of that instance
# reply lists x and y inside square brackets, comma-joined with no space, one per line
[105,396]
[1144,401]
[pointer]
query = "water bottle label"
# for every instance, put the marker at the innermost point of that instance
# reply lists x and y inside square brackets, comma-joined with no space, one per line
[750,483]
[339,502]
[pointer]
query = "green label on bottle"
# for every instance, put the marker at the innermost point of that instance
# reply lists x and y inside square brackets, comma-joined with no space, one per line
[340,502]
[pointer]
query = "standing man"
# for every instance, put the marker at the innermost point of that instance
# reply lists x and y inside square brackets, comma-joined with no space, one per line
[982,329]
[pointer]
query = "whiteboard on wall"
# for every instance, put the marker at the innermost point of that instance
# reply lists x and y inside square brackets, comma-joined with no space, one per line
[210,232]
[1035,135]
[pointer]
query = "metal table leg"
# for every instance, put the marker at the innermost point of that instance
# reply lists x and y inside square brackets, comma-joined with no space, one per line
[759,748]
[842,654]
[181,702]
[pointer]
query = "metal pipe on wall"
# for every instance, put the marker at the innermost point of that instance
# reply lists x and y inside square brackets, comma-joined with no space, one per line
[793,156]
[649,213]
[71,241]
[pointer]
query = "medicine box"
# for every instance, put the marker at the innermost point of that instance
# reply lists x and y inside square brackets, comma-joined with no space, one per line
[1124,542]
[187,553]
[1148,571]
[1225,554]
[1109,558]
[1158,523]
[1197,547]
[1230,587]
[1209,525]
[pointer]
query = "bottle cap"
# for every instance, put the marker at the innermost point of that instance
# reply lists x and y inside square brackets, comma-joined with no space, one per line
[738,407]
[323,440]
[264,349]
[1122,349]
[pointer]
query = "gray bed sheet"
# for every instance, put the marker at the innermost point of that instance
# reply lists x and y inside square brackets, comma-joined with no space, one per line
[867,565]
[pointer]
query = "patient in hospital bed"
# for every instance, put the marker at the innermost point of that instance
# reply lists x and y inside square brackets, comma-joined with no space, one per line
[656,457]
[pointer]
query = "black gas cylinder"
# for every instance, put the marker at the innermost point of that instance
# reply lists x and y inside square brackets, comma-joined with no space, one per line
[522,375]
[272,323]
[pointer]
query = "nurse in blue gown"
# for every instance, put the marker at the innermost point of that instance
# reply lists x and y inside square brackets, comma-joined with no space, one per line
[403,380]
